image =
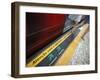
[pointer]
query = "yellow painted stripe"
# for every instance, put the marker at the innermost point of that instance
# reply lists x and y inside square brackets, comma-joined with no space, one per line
[46,52]
[69,52]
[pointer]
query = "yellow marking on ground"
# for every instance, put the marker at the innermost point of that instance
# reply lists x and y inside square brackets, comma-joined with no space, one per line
[46,52]
[68,53]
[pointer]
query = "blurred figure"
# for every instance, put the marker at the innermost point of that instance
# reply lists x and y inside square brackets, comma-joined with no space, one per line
[79,20]
[72,21]
[75,18]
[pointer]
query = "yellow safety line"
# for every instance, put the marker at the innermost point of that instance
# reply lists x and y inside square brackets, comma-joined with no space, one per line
[68,53]
[46,52]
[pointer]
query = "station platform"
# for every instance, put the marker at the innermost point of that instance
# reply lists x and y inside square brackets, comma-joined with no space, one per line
[65,50]
[78,51]
[81,54]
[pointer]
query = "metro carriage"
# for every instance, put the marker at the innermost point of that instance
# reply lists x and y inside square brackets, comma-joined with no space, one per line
[41,29]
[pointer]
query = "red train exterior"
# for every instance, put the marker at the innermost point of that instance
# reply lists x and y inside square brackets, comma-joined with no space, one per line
[41,29]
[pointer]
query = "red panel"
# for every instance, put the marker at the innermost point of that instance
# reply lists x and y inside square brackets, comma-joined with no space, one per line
[41,29]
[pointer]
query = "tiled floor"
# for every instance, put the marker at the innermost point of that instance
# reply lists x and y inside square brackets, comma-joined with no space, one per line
[81,55]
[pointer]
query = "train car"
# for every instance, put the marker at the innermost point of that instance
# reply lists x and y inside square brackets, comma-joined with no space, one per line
[41,29]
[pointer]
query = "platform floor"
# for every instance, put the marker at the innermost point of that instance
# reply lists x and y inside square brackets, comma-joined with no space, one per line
[76,50]
[81,55]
